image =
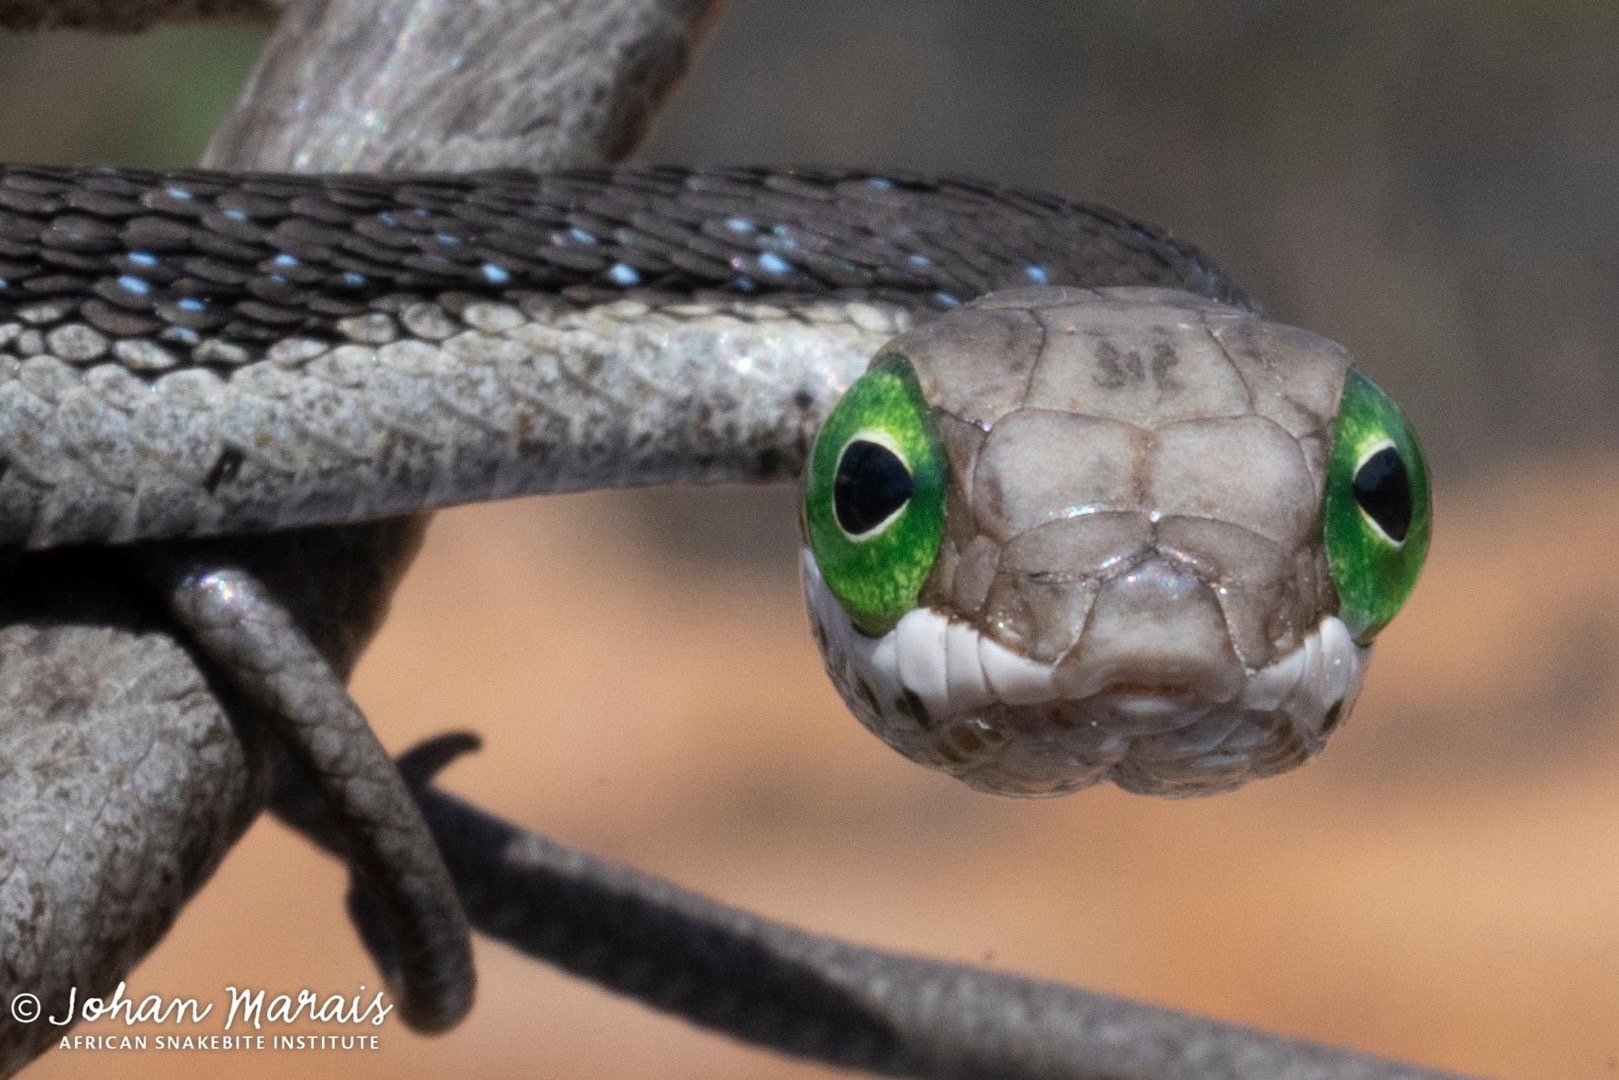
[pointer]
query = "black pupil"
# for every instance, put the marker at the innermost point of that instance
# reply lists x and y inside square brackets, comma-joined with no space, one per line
[871,484]
[1383,490]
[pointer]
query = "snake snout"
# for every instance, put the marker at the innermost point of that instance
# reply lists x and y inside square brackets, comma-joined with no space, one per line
[1155,631]
[1152,694]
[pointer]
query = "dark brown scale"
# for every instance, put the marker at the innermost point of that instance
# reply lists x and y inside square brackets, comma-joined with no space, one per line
[43,182]
[116,322]
[149,232]
[95,199]
[85,263]
[333,308]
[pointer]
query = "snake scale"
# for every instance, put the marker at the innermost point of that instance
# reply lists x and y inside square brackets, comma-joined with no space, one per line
[1073,510]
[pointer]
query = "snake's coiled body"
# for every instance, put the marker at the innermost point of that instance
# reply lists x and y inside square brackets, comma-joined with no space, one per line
[196,353]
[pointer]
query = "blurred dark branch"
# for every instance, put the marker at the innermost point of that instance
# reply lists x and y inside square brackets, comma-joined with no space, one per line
[814,996]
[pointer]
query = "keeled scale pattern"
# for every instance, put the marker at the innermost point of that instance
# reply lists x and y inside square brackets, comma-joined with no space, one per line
[214,267]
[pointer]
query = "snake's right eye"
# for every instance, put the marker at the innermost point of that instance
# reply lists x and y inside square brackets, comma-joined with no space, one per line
[871,486]
[874,496]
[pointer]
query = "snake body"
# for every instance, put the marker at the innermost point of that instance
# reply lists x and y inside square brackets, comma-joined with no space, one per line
[196,353]
[1126,569]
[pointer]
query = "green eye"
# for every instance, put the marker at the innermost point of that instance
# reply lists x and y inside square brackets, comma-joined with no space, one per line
[1375,516]
[874,496]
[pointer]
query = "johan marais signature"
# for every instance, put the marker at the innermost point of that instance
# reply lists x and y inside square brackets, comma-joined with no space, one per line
[247,1008]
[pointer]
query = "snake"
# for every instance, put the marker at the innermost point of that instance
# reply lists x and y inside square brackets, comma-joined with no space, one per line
[1073,508]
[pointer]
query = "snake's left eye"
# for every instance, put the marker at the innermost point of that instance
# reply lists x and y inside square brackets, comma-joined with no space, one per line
[874,496]
[1375,515]
[1382,489]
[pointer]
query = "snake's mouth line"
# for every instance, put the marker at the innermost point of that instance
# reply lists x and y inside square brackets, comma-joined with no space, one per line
[945,694]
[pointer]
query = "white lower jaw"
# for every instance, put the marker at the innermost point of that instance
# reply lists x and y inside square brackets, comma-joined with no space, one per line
[944,694]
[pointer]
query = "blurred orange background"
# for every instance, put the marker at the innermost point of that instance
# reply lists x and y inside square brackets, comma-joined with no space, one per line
[1432,187]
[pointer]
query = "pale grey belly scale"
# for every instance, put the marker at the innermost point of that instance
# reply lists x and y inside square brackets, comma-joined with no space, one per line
[614,395]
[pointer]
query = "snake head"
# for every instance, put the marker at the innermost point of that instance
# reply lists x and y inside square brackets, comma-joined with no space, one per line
[1060,536]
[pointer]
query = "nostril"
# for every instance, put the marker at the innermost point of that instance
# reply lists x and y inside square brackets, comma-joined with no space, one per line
[1334,714]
